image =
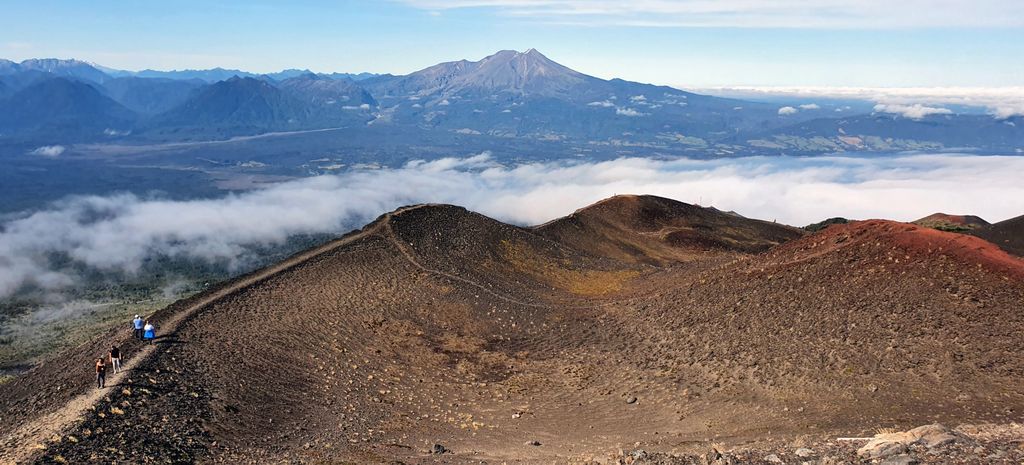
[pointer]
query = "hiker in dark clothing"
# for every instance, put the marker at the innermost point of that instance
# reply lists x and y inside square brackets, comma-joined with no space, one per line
[101,373]
[115,359]
[137,324]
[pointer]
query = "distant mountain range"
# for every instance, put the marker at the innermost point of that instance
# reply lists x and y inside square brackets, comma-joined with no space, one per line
[506,95]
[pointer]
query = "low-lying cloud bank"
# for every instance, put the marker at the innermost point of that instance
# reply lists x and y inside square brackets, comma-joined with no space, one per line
[1000,102]
[50,151]
[119,232]
[915,111]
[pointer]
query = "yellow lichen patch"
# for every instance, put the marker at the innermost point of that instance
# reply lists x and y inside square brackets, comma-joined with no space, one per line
[459,343]
[116,411]
[558,273]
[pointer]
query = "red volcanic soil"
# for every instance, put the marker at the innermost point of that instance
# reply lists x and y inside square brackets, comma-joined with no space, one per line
[915,242]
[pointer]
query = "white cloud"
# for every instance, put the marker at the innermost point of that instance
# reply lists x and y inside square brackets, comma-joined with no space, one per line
[915,111]
[119,232]
[787,111]
[628,112]
[604,104]
[1007,110]
[809,106]
[49,151]
[829,14]
[1001,102]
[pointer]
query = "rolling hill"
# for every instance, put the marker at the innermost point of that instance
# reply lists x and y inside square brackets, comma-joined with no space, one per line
[947,222]
[237,105]
[662,231]
[1008,235]
[149,96]
[324,92]
[62,109]
[638,322]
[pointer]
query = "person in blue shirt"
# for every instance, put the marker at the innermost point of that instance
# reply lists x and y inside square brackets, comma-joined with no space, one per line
[137,323]
[148,332]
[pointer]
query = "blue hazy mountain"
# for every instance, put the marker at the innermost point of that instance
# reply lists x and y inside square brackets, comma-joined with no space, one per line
[57,67]
[510,95]
[328,94]
[288,73]
[60,109]
[18,80]
[238,102]
[352,76]
[222,74]
[250,105]
[206,75]
[884,131]
[150,96]
[8,67]
[526,94]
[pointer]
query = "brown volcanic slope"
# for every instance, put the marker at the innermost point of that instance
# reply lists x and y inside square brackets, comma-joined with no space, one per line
[437,325]
[946,222]
[1009,235]
[656,230]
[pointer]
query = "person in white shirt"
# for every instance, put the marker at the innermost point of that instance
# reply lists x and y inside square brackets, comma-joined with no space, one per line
[148,332]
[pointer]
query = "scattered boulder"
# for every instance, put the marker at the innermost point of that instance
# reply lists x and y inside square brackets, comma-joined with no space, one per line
[884,445]
[534,443]
[439,449]
[631,400]
[902,459]
[934,435]
[804,452]
[772,459]
[893,444]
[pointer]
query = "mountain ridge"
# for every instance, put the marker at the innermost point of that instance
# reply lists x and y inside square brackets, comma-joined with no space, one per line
[520,95]
[440,313]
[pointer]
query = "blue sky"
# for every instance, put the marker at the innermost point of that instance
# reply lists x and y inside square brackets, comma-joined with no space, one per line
[694,43]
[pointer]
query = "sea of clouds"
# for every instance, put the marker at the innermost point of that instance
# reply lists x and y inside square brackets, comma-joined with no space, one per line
[910,102]
[119,232]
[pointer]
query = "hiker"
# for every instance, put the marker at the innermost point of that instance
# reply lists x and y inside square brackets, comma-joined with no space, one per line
[148,332]
[137,323]
[115,359]
[101,373]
